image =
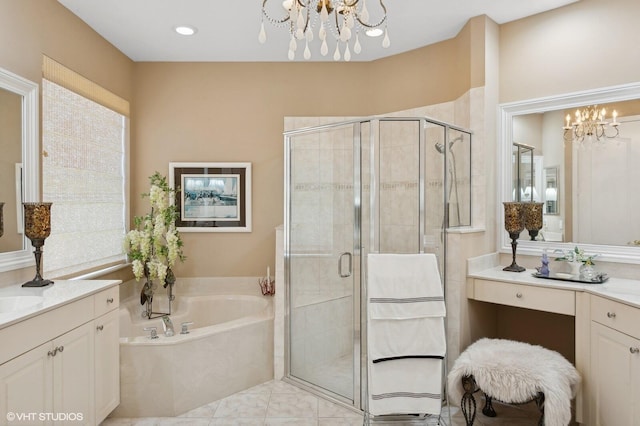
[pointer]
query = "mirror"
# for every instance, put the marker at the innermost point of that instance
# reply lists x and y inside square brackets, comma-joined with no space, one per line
[586,187]
[18,164]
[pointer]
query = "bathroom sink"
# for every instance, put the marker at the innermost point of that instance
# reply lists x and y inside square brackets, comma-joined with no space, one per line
[18,303]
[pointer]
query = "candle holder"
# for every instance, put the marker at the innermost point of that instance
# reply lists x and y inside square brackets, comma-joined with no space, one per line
[1,220]
[514,219]
[267,286]
[37,227]
[533,218]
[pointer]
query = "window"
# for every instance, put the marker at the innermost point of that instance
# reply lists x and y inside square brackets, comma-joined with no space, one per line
[83,167]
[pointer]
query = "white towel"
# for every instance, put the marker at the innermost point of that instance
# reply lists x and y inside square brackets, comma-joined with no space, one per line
[405,386]
[402,286]
[402,338]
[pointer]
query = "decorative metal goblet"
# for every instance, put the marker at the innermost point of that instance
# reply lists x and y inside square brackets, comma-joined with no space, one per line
[1,220]
[533,218]
[514,224]
[37,227]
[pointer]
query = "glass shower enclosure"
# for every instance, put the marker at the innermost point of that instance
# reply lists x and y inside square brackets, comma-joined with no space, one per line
[374,185]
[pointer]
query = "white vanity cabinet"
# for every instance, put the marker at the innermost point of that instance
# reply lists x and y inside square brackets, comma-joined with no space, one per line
[107,353]
[606,329]
[614,375]
[64,361]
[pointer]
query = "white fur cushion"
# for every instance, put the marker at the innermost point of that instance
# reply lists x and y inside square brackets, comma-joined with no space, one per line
[514,372]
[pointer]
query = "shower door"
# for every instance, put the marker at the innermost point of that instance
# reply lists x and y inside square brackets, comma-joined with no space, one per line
[323,260]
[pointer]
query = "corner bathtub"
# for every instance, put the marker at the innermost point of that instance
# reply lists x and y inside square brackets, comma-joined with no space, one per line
[229,348]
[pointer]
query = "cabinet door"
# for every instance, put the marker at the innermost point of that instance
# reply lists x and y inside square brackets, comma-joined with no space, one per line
[26,386]
[73,373]
[615,377]
[107,364]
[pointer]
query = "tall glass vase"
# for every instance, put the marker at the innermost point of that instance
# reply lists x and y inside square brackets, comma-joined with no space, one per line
[514,220]
[533,218]
[147,296]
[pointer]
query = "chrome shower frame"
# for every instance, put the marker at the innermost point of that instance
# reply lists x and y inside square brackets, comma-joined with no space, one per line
[360,399]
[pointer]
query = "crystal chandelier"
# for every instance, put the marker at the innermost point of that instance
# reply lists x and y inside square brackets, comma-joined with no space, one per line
[590,122]
[343,19]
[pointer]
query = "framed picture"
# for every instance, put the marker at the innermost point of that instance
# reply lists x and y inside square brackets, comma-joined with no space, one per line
[212,197]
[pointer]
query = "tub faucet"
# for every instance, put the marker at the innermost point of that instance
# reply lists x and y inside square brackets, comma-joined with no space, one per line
[185,327]
[154,333]
[167,325]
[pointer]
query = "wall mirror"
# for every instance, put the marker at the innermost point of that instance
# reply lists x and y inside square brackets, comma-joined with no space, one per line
[586,180]
[19,168]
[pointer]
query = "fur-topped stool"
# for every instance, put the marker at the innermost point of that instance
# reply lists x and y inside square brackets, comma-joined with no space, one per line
[514,373]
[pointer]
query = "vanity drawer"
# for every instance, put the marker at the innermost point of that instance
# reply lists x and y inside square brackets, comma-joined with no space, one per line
[26,335]
[616,315]
[525,296]
[106,300]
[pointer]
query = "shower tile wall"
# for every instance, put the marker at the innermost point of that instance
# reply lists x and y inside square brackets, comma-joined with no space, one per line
[399,186]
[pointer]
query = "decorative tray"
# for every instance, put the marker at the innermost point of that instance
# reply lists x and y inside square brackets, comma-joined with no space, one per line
[598,279]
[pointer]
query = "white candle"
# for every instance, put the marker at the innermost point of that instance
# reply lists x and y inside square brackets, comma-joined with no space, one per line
[615,115]
[268,272]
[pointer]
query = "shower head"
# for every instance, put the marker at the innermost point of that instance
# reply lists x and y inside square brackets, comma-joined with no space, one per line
[440,147]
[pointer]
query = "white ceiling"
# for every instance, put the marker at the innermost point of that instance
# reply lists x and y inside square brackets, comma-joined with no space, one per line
[228,29]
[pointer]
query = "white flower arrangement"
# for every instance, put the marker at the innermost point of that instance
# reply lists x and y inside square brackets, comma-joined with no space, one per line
[155,245]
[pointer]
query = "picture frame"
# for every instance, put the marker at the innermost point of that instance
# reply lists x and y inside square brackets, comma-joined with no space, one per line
[212,197]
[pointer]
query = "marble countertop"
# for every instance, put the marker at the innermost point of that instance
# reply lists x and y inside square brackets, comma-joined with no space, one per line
[53,296]
[618,289]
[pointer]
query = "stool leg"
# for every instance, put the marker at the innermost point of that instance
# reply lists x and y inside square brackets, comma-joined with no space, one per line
[468,403]
[488,407]
[540,403]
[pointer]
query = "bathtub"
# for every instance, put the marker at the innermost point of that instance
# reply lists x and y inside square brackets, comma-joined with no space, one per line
[229,348]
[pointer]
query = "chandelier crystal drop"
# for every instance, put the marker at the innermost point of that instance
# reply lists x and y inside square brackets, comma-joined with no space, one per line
[589,122]
[343,19]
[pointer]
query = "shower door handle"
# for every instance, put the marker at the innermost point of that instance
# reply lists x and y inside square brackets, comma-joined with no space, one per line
[348,274]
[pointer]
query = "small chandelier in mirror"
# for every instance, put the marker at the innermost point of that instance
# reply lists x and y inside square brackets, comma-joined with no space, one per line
[589,122]
[343,19]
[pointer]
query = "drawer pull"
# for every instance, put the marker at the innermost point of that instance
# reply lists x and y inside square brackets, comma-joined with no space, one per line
[611,314]
[519,295]
[53,352]
[110,300]
[100,327]
[634,350]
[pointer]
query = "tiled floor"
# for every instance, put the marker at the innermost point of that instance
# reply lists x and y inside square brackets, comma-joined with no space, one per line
[279,403]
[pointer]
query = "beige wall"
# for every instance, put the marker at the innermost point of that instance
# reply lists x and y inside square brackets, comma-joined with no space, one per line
[585,45]
[31,28]
[235,112]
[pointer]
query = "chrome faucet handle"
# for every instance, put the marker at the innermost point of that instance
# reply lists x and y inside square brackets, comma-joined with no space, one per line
[154,332]
[167,325]
[185,327]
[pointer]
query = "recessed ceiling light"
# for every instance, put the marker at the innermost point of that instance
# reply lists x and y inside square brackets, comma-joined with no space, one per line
[374,32]
[185,30]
